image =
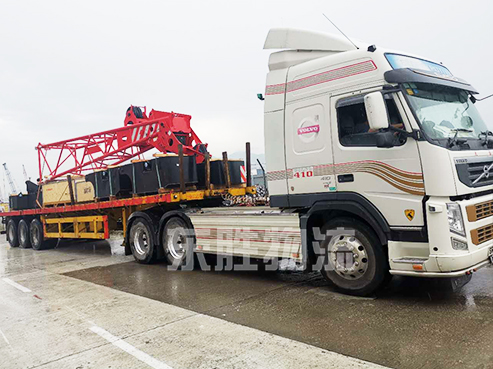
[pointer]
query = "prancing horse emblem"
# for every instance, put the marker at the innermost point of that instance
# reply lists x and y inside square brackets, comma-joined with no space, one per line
[409,214]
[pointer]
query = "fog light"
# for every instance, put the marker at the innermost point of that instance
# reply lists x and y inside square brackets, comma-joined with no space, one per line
[459,245]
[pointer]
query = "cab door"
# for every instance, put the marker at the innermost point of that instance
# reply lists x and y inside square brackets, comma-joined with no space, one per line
[390,178]
[308,141]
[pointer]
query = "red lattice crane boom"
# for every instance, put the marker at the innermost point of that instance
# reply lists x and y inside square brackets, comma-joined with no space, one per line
[140,133]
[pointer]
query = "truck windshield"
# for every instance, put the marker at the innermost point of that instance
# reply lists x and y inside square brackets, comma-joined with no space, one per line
[444,112]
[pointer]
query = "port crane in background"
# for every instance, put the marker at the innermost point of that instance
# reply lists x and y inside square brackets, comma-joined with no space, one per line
[13,187]
[26,178]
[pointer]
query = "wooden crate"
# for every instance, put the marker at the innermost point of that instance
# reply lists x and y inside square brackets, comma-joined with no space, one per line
[57,192]
[84,191]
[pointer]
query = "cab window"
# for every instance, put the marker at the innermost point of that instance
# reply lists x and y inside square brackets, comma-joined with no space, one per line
[353,126]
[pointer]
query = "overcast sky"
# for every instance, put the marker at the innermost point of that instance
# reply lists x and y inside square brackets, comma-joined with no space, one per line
[69,68]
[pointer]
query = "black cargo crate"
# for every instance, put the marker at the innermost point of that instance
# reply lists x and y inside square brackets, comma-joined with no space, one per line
[163,172]
[168,168]
[218,177]
[22,201]
[144,177]
[115,181]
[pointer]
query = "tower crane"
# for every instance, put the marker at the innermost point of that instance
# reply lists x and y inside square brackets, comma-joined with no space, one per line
[13,187]
[26,178]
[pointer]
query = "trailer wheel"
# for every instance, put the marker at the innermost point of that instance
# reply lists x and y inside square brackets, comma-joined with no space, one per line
[12,234]
[36,235]
[177,243]
[142,241]
[24,234]
[355,260]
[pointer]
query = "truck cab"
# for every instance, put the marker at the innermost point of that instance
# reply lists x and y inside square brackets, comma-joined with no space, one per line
[390,144]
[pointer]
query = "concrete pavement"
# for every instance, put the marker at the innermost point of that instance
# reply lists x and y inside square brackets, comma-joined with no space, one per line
[52,320]
[228,319]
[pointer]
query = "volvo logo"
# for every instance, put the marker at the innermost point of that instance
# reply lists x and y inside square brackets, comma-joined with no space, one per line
[485,174]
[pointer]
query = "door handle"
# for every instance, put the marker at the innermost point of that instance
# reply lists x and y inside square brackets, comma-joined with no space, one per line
[345,178]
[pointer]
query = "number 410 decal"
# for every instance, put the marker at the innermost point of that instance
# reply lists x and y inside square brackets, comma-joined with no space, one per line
[303,172]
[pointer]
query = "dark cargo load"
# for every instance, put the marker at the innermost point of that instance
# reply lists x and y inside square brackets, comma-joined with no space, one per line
[218,177]
[116,181]
[145,178]
[163,172]
[31,187]
[22,201]
[169,170]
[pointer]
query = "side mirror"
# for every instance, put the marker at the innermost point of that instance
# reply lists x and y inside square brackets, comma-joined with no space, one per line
[385,139]
[376,111]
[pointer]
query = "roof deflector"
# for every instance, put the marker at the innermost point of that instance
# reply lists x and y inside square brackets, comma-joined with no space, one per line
[298,39]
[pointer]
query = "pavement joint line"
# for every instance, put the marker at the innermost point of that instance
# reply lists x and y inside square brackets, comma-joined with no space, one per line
[69,355]
[16,285]
[129,349]
[120,343]
[4,337]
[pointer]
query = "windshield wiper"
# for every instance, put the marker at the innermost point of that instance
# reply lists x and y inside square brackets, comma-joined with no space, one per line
[456,140]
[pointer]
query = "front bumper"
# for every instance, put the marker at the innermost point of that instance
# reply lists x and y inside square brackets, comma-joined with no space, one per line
[457,273]
[437,257]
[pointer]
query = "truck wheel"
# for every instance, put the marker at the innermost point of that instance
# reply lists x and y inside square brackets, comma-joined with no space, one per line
[12,234]
[355,260]
[36,235]
[177,243]
[142,241]
[24,235]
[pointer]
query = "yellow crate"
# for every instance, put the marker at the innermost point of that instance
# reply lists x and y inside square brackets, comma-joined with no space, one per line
[57,192]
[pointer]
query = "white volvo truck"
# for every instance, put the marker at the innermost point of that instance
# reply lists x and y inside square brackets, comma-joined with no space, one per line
[384,152]
[378,164]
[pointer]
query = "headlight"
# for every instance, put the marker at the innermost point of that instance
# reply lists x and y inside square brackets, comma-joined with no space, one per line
[455,219]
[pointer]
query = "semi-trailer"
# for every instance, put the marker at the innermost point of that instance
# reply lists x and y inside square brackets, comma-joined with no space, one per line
[377,164]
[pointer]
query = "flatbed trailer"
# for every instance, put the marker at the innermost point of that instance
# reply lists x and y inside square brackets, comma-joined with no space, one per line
[93,220]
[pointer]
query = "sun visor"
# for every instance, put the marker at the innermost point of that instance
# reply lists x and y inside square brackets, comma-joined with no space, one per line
[409,75]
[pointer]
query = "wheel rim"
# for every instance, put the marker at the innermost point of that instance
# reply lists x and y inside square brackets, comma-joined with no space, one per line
[141,241]
[348,256]
[176,241]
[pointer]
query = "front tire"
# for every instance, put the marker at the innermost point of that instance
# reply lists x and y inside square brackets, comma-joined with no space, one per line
[355,259]
[24,234]
[12,233]
[141,241]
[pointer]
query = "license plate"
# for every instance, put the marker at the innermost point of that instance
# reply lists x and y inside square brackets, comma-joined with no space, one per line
[490,255]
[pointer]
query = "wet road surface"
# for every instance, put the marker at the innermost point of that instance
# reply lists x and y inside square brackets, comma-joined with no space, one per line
[415,323]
